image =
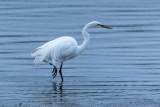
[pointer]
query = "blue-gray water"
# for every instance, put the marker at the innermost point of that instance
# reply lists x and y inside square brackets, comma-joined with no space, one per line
[118,66]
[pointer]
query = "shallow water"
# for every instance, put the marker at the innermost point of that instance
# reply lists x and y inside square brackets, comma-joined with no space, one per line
[119,65]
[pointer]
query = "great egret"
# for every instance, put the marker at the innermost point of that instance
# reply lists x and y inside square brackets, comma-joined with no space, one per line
[62,49]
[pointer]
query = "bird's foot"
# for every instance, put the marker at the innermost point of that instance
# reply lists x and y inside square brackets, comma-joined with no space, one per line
[54,72]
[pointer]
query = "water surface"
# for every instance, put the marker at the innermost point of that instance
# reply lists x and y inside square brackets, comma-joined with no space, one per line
[118,66]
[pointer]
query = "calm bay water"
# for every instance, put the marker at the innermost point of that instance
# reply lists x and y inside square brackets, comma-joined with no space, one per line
[119,65]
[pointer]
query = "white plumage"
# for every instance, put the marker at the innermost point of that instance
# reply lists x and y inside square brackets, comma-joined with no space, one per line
[62,49]
[56,51]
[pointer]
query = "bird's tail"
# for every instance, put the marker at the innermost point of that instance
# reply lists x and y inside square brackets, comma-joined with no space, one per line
[39,55]
[36,52]
[37,60]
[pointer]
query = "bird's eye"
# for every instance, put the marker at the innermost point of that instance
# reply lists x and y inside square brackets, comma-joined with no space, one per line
[98,25]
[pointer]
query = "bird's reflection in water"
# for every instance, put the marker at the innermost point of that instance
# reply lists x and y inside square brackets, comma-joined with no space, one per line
[50,94]
[57,89]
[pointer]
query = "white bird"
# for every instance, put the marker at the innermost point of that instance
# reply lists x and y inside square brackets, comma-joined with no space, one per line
[63,48]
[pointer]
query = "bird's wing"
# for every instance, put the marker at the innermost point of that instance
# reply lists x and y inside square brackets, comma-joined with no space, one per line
[64,50]
[43,52]
[59,50]
[37,51]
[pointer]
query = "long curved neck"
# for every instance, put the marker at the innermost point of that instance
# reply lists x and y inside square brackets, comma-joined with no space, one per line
[86,39]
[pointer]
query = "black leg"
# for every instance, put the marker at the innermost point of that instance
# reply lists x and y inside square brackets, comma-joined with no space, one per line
[54,72]
[60,71]
[48,62]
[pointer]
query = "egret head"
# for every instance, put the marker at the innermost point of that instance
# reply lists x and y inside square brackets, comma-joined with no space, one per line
[97,24]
